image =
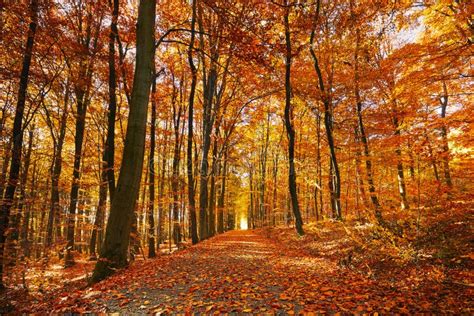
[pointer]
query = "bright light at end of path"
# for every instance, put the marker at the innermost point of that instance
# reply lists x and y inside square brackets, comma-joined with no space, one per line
[243,223]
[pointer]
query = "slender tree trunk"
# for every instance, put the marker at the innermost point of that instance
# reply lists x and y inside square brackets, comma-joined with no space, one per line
[16,222]
[360,180]
[151,184]
[161,191]
[221,200]
[6,162]
[334,175]
[400,173]
[444,137]
[100,215]
[289,128]
[17,135]
[335,178]
[411,161]
[212,191]
[204,178]
[175,169]
[54,212]
[263,170]
[363,135]
[109,152]
[189,149]
[82,103]
[82,91]
[319,165]
[25,231]
[275,187]
[250,212]
[114,251]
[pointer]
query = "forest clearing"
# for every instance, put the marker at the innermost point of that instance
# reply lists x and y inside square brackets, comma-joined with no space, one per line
[242,156]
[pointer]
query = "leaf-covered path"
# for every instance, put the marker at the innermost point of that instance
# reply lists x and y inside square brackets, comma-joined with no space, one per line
[242,271]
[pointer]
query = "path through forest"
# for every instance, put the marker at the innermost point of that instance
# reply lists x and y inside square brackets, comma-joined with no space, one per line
[244,271]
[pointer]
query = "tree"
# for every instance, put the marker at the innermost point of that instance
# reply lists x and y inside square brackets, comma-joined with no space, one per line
[360,121]
[151,168]
[289,126]
[87,39]
[17,134]
[189,148]
[334,177]
[56,166]
[109,152]
[114,251]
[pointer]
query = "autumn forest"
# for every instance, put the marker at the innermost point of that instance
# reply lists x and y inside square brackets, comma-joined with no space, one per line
[244,156]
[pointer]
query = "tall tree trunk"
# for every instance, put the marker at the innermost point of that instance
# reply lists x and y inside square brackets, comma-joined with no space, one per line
[319,165]
[82,103]
[289,127]
[89,44]
[221,200]
[251,211]
[175,171]
[189,149]
[100,215]
[359,179]
[161,191]
[334,175]
[54,210]
[444,137]
[16,222]
[25,228]
[17,134]
[208,122]
[151,184]
[109,152]
[398,151]
[363,136]
[114,251]
[6,162]
[263,170]
[276,159]
[212,191]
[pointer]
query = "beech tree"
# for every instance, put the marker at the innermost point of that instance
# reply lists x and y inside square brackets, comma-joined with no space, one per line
[17,134]
[114,251]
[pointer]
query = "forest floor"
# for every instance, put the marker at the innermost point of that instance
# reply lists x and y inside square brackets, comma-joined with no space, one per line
[335,267]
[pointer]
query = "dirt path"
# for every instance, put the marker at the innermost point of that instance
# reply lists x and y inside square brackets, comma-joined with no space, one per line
[241,271]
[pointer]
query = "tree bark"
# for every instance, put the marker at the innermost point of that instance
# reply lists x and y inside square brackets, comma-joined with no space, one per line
[109,152]
[212,191]
[189,149]
[363,136]
[175,171]
[275,187]
[289,128]
[334,175]
[221,200]
[444,137]
[100,215]
[114,251]
[82,91]
[17,134]
[263,171]
[398,151]
[208,122]
[151,184]
[161,191]
[16,222]
[54,212]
